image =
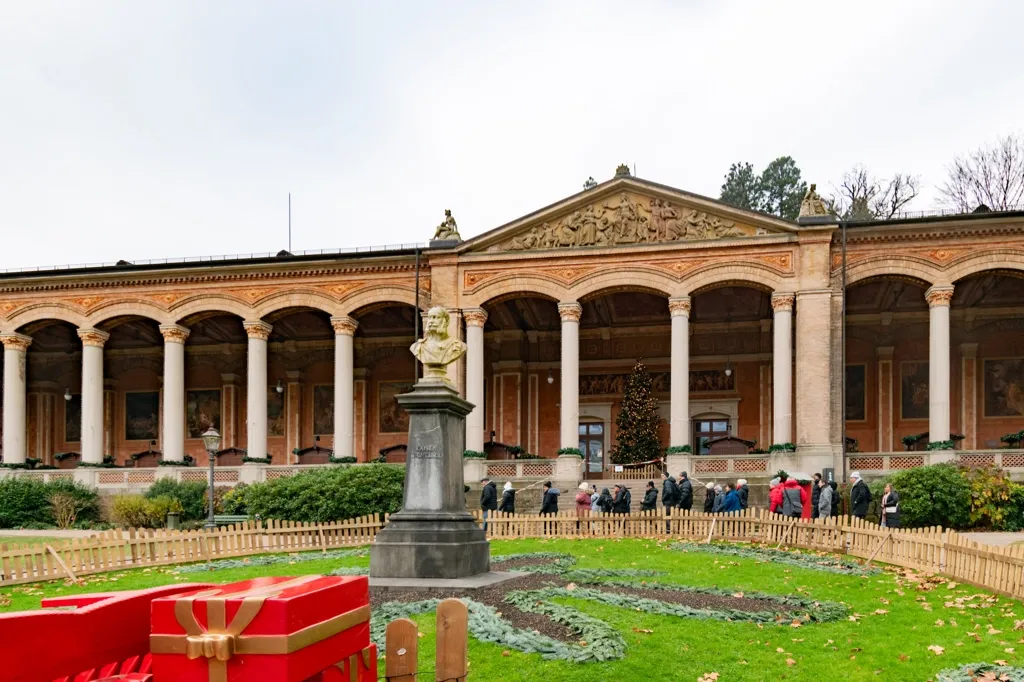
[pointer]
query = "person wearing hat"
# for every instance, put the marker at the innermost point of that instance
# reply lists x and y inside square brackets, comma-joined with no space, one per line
[685,492]
[488,498]
[620,503]
[583,500]
[709,498]
[860,496]
[508,499]
[650,502]
[550,503]
[741,490]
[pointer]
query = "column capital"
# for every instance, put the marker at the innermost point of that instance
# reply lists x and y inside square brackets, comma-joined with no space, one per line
[884,352]
[257,329]
[969,350]
[783,302]
[570,311]
[15,341]
[93,337]
[174,333]
[679,305]
[474,317]
[344,325]
[938,296]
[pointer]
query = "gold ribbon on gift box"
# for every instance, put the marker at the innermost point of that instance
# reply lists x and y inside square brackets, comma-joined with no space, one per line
[351,665]
[221,640]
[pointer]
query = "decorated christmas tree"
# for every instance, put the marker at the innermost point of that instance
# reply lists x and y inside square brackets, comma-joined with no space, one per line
[637,436]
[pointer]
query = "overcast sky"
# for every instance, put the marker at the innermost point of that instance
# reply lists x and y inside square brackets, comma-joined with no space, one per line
[158,129]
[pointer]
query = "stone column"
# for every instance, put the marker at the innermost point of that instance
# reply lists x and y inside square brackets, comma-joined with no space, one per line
[679,410]
[456,370]
[92,394]
[258,332]
[570,367]
[174,391]
[293,413]
[885,399]
[475,320]
[814,374]
[229,399]
[782,364]
[938,362]
[109,403]
[15,427]
[344,385]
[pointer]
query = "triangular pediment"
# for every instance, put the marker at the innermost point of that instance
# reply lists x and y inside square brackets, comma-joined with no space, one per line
[628,212]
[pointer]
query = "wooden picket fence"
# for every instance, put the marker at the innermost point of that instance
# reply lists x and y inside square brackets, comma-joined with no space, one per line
[451,660]
[134,548]
[933,549]
[1000,569]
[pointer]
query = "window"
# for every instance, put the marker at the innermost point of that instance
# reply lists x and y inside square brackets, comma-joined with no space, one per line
[705,429]
[592,446]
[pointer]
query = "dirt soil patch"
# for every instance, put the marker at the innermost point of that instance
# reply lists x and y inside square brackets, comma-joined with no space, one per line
[494,596]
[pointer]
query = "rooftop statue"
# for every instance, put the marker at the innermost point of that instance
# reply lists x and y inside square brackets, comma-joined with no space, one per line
[447,230]
[812,206]
[436,350]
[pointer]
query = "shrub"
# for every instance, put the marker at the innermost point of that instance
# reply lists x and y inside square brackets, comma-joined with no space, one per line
[782,447]
[26,501]
[570,451]
[65,508]
[233,501]
[192,496]
[678,450]
[991,493]
[135,511]
[932,496]
[474,454]
[328,494]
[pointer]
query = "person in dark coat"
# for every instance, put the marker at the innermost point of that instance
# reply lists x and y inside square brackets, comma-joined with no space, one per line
[669,490]
[719,500]
[685,492]
[550,502]
[835,498]
[605,501]
[743,492]
[620,503]
[488,498]
[508,499]
[650,502]
[860,496]
[732,499]
[709,498]
[815,496]
[890,507]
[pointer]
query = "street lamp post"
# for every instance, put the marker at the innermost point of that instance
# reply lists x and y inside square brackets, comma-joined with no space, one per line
[211,439]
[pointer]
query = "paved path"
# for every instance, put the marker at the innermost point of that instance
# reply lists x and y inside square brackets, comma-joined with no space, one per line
[996,539]
[28,534]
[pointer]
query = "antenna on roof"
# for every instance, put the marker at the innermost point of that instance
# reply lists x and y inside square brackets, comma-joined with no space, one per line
[289,221]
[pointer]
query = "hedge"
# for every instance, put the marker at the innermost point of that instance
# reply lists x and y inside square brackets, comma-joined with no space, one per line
[26,502]
[319,495]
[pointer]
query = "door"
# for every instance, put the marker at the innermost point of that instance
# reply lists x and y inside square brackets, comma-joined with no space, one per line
[592,446]
[706,428]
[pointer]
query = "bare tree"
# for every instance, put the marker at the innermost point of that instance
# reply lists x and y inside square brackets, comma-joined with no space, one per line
[992,176]
[863,197]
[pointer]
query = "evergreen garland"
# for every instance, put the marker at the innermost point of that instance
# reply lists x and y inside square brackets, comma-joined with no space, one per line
[636,438]
[828,563]
[973,671]
[563,566]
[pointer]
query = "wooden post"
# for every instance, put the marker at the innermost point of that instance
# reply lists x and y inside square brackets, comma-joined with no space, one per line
[452,641]
[401,650]
[879,548]
[712,531]
[323,545]
[786,534]
[60,562]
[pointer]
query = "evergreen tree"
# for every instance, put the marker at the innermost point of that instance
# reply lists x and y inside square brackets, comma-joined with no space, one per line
[742,187]
[637,436]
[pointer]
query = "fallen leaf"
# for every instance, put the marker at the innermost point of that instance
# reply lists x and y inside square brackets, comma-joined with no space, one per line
[1008,650]
[796,624]
[999,662]
[938,650]
[642,631]
[790,662]
[506,652]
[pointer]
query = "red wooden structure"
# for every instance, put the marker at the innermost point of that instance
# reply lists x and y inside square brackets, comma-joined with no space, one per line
[310,629]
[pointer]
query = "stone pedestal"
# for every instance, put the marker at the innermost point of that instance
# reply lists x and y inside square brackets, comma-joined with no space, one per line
[433,536]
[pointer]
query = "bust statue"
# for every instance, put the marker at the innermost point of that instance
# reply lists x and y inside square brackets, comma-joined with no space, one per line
[812,205]
[435,350]
[447,230]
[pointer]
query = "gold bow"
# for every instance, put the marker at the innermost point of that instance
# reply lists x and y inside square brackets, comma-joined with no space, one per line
[220,640]
[351,666]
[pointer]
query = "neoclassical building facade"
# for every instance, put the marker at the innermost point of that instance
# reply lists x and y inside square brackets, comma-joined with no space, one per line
[739,316]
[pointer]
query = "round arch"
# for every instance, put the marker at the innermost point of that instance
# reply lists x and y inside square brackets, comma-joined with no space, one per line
[386,294]
[917,281]
[757,275]
[212,303]
[304,298]
[1002,259]
[129,308]
[44,311]
[637,279]
[518,283]
[898,266]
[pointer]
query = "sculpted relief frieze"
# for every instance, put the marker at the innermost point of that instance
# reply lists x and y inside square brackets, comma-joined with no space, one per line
[627,220]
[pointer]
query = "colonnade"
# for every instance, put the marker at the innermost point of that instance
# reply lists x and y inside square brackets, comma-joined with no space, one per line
[814,350]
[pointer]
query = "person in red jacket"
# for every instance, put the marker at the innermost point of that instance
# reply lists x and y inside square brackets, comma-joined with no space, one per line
[775,496]
[794,498]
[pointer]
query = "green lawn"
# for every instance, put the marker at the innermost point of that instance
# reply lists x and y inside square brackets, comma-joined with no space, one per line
[22,540]
[888,636]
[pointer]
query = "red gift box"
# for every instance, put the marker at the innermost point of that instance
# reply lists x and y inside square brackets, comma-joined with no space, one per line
[274,629]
